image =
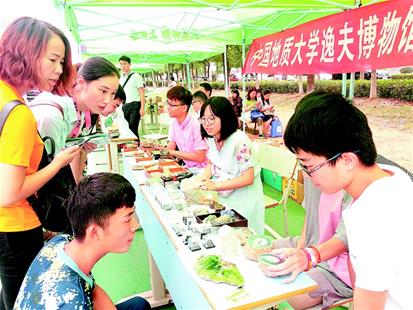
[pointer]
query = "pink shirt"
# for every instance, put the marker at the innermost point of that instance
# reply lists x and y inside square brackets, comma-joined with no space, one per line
[330,209]
[187,137]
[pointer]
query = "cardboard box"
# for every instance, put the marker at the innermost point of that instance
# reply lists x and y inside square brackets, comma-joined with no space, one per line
[300,193]
[293,189]
[296,190]
[300,177]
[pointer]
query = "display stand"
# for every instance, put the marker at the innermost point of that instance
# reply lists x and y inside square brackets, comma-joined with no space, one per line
[125,135]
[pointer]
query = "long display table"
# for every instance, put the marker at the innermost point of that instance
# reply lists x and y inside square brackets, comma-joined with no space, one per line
[173,262]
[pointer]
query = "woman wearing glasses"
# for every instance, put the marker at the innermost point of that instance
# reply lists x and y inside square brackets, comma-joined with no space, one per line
[231,169]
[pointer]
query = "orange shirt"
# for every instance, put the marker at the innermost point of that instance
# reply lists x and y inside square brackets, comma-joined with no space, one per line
[20,145]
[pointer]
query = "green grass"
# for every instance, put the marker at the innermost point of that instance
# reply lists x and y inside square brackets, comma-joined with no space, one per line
[274,216]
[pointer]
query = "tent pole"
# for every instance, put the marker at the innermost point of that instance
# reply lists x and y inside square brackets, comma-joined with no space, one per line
[226,72]
[357,4]
[243,80]
[344,85]
[351,91]
[188,76]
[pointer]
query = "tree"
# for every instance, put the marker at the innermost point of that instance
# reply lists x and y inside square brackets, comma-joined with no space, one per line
[234,56]
[310,83]
[198,68]
[300,84]
[373,84]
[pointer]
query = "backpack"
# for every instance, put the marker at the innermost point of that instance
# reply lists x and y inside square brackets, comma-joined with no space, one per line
[49,201]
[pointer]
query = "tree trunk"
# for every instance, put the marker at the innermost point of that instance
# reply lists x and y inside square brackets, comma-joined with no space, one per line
[300,84]
[191,70]
[310,83]
[373,84]
[225,70]
[183,74]
[257,80]
[223,67]
[169,74]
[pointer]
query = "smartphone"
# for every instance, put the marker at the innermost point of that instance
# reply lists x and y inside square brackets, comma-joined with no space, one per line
[81,142]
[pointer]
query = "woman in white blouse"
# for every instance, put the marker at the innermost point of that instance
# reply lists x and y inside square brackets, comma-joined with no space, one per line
[232,170]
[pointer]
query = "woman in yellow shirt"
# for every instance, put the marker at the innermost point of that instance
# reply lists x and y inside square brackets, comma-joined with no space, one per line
[33,55]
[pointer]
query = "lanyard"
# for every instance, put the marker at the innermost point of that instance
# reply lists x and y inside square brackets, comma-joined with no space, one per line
[76,131]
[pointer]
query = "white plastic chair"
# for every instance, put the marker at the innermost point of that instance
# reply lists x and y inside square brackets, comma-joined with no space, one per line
[283,162]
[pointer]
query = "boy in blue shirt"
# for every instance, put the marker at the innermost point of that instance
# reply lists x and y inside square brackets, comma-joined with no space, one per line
[101,212]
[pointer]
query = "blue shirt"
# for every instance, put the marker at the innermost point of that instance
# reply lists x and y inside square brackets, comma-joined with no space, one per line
[54,281]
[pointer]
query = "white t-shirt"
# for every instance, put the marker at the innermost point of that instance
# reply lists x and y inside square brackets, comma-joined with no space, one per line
[132,87]
[378,226]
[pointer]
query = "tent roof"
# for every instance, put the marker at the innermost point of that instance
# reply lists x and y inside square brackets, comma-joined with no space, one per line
[156,32]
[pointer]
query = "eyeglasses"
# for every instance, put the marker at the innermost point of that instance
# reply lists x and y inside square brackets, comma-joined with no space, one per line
[309,172]
[196,101]
[171,105]
[210,120]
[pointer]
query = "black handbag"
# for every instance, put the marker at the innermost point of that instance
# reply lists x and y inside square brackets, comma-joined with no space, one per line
[49,202]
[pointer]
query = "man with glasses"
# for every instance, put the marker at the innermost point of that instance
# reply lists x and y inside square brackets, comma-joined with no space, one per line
[323,231]
[185,131]
[334,145]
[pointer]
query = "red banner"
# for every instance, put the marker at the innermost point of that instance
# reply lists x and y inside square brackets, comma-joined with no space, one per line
[371,37]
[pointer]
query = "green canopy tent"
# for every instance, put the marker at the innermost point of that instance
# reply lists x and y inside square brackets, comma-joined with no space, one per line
[156,32]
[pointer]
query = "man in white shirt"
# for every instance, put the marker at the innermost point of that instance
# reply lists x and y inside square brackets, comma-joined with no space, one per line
[132,83]
[334,147]
[172,83]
